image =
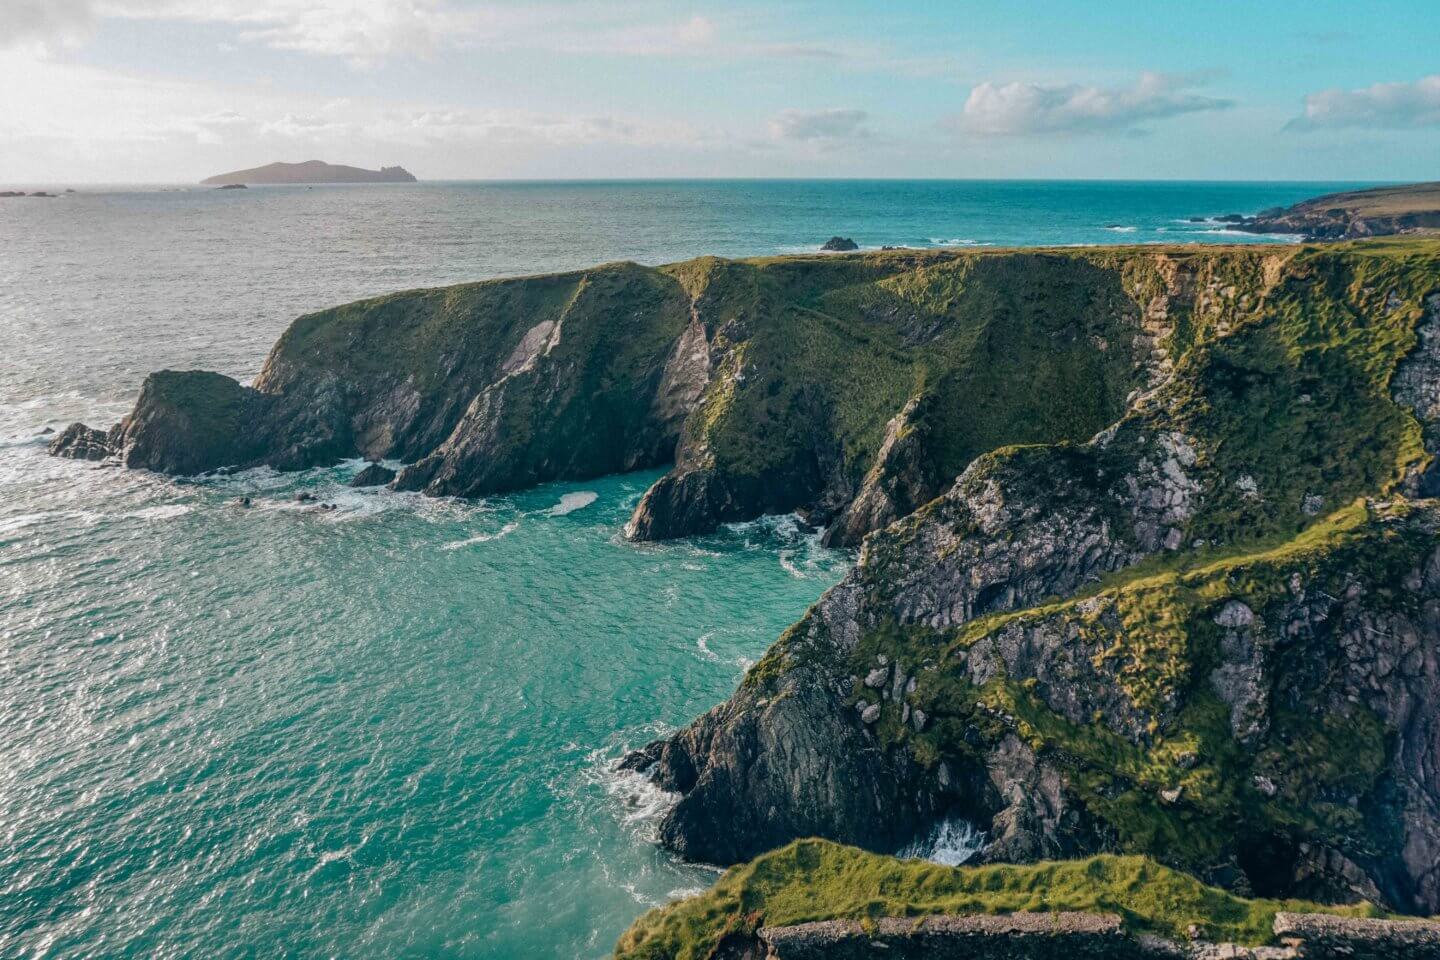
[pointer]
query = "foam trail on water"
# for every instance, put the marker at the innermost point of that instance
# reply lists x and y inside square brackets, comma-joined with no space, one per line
[949,843]
[571,502]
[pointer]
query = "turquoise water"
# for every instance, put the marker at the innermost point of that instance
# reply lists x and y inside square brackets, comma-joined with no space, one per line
[383,730]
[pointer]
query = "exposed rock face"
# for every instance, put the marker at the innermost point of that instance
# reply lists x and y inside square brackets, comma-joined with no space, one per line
[1040,936]
[184,422]
[375,475]
[903,477]
[1417,386]
[1069,705]
[839,244]
[79,442]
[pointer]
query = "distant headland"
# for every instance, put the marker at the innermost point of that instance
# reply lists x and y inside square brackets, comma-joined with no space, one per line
[311,171]
[1381,211]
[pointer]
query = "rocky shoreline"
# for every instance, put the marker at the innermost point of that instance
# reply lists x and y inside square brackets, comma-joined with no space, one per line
[1384,211]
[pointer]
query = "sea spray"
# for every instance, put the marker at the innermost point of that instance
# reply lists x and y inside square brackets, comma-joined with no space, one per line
[950,842]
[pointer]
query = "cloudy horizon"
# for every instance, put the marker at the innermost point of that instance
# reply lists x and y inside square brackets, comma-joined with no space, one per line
[176,90]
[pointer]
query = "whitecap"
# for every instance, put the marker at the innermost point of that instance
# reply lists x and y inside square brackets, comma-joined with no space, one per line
[506,530]
[956,242]
[571,502]
[949,843]
[1117,228]
[704,646]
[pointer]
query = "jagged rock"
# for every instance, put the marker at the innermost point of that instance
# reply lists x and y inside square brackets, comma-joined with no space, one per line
[839,244]
[79,442]
[903,477]
[877,678]
[374,475]
[1416,386]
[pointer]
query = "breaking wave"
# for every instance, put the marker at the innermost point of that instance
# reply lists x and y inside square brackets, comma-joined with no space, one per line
[949,843]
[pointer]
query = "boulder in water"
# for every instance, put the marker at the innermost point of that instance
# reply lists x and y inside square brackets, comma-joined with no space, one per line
[374,475]
[839,244]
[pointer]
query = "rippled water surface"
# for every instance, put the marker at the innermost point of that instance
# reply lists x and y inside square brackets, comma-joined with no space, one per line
[382,730]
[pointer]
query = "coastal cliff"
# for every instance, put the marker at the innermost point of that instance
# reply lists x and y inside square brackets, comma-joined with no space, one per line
[850,388]
[1210,635]
[1149,560]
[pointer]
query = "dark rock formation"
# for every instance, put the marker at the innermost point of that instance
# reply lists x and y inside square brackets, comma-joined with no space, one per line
[903,476]
[839,244]
[184,422]
[232,186]
[374,475]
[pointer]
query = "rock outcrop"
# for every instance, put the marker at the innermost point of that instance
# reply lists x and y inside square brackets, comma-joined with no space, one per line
[838,244]
[1159,641]
[814,900]
[373,475]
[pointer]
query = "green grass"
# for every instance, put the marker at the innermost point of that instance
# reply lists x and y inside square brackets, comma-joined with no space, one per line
[812,880]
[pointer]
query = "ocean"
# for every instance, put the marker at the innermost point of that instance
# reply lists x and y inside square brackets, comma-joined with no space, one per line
[388,729]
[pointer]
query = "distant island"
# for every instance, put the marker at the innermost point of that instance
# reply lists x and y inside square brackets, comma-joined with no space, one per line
[312,171]
[1381,211]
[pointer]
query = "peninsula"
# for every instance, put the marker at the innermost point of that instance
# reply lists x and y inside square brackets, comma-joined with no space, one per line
[311,171]
[1381,211]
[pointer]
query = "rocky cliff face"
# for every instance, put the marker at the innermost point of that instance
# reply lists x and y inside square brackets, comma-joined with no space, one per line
[851,388]
[1186,637]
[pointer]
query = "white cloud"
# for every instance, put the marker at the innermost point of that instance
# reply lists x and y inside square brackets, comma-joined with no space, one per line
[833,124]
[362,31]
[1395,106]
[44,22]
[1025,109]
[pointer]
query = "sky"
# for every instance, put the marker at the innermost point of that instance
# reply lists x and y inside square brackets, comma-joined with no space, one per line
[176,90]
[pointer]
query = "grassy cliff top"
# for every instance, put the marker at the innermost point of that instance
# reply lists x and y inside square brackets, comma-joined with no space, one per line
[817,880]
